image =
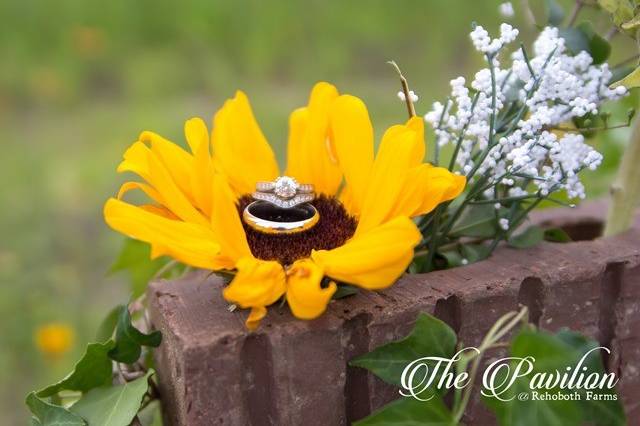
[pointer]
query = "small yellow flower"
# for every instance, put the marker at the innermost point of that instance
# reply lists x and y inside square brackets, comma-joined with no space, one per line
[54,339]
[365,235]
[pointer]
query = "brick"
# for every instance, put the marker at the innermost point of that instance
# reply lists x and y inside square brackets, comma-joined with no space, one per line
[292,372]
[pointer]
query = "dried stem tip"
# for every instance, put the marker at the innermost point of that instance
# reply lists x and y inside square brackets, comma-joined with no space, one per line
[405,89]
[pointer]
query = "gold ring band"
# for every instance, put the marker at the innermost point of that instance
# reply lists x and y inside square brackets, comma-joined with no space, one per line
[270,219]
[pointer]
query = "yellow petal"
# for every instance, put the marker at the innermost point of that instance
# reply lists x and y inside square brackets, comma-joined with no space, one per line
[375,259]
[352,136]
[226,222]
[425,187]
[136,160]
[255,316]
[176,160]
[310,157]
[173,197]
[158,251]
[129,186]
[202,173]
[240,148]
[419,195]
[417,125]
[346,197]
[189,243]
[296,156]
[305,295]
[196,133]
[395,156]
[258,283]
[456,185]
[167,168]
[160,211]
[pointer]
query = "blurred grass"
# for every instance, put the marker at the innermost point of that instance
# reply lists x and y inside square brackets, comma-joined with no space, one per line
[79,80]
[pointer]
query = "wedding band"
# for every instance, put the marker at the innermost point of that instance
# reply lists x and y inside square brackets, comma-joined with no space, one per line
[285,204]
[268,218]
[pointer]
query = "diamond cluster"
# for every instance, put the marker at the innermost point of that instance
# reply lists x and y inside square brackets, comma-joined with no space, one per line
[285,187]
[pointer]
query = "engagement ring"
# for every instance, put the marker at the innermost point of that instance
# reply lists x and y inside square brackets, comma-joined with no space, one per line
[284,192]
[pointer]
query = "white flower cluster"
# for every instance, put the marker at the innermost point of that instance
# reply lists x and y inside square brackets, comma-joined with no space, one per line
[506,9]
[412,96]
[483,43]
[505,121]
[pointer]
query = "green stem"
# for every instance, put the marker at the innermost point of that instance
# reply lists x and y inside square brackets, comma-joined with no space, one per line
[505,199]
[454,156]
[434,239]
[436,145]
[625,191]
[530,92]
[492,121]
[575,12]
[165,268]
[513,224]
[466,201]
[500,329]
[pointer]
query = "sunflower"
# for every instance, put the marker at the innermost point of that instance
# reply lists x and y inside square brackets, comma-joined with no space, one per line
[365,235]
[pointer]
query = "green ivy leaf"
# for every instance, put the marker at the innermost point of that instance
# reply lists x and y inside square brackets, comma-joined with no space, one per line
[619,73]
[129,340]
[47,414]
[113,405]
[598,47]
[584,37]
[603,412]
[630,81]
[477,221]
[345,290]
[575,40]
[151,415]
[93,370]
[621,10]
[453,258]
[430,337]
[548,353]
[555,13]
[532,413]
[409,411]
[135,260]
[475,252]
[554,353]
[632,24]
[108,325]
[556,235]
[529,238]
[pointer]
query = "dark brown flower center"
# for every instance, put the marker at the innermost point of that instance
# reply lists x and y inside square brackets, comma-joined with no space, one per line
[333,229]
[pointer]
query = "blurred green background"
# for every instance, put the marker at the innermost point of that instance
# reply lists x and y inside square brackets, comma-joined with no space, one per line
[79,80]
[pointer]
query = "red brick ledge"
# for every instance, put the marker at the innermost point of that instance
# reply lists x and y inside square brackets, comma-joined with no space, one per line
[292,372]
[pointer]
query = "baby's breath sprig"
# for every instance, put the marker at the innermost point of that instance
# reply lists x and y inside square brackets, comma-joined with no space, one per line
[517,135]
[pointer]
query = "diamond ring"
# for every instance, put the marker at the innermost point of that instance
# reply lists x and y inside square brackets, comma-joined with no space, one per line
[284,192]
